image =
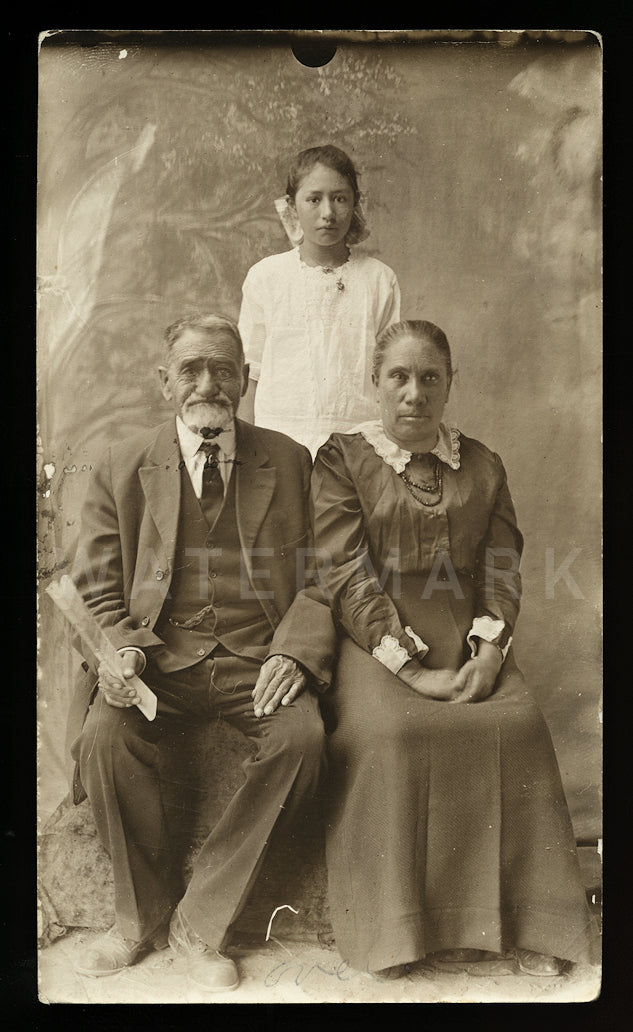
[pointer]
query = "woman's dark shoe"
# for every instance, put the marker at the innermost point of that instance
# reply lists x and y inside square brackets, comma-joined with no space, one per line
[464,956]
[532,963]
[388,974]
[484,963]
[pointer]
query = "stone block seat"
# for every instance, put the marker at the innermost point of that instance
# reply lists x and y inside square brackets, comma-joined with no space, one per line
[75,884]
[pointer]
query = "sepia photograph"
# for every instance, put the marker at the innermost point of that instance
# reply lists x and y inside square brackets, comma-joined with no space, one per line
[319,516]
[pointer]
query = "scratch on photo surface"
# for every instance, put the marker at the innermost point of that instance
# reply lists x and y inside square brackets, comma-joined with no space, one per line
[284,906]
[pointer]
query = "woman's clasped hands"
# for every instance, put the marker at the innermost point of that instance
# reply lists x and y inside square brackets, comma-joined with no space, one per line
[473,682]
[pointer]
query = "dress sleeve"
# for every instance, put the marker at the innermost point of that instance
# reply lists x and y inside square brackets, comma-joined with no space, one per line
[252,323]
[390,307]
[345,569]
[497,575]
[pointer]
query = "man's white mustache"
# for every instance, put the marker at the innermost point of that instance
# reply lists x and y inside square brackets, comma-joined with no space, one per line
[207,401]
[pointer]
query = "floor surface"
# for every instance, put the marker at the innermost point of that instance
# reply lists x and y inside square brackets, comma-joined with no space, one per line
[291,972]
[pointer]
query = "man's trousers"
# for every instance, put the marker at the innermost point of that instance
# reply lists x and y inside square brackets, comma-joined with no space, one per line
[118,752]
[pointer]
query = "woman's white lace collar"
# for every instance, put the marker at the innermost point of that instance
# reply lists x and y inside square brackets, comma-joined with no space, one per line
[446,449]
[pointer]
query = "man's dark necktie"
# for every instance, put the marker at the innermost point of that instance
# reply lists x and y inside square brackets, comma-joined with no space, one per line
[212,496]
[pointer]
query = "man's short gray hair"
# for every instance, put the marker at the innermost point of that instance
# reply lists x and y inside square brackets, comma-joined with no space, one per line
[210,324]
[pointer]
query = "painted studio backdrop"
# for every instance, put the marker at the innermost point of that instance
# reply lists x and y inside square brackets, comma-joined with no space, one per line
[480,164]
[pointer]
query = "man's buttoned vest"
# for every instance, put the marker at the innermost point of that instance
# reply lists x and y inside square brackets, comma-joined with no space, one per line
[211,600]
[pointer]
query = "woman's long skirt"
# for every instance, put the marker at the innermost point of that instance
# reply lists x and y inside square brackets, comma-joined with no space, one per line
[448,825]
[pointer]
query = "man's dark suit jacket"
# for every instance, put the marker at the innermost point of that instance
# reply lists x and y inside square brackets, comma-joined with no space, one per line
[125,555]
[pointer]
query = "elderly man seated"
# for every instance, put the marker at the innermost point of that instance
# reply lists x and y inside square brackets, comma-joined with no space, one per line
[193,543]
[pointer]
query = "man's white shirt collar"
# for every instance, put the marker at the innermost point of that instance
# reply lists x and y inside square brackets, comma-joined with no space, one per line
[195,459]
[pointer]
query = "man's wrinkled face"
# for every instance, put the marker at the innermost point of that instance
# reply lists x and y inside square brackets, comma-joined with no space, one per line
[205,378]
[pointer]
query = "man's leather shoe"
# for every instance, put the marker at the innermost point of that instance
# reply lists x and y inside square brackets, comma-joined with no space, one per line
[532,963]
[112,952]
[206,968]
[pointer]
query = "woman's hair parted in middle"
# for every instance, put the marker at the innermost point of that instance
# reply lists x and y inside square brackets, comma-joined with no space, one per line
[328,155]
[417,329]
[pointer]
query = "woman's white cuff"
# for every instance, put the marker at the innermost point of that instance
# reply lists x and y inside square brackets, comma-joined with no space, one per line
[421,648]
[393,655]
[489,630]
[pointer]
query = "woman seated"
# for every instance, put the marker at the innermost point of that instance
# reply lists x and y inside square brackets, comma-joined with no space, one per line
[448,828]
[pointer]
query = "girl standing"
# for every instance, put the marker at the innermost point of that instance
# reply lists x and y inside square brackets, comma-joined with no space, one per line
[310,316]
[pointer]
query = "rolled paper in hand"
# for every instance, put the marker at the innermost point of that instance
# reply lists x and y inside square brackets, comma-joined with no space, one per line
[66,597]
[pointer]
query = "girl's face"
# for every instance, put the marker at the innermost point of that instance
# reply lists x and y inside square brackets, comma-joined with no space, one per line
[325,204]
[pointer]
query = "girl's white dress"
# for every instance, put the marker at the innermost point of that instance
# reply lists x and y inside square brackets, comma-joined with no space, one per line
[309,335]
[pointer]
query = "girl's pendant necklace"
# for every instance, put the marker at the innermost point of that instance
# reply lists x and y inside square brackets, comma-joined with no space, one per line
[330,270]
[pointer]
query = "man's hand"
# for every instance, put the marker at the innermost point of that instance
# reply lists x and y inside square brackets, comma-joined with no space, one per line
[476,679]
[115,690]
[280,680]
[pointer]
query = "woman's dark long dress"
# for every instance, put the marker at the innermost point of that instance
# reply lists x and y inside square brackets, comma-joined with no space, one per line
[448,825]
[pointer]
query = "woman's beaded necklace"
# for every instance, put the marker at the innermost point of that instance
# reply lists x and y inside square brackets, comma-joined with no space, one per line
[414,488]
